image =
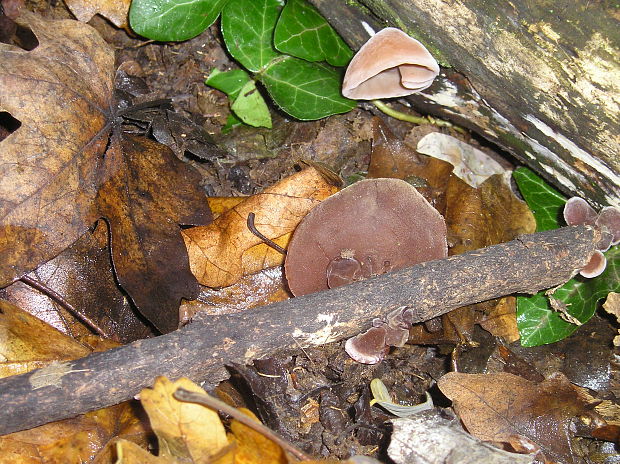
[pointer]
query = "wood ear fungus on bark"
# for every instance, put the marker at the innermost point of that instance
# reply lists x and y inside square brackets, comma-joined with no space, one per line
[369,228]
[390,64]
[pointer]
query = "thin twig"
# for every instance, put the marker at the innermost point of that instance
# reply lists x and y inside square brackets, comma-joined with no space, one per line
[207,400]
[40,286]
[267,241]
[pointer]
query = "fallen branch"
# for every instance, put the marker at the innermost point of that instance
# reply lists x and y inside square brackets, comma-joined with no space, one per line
[202,349]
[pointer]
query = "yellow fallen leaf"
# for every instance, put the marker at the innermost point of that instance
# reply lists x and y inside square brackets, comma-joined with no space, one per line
[216,251]
[254,447]
[128,452]
[28,343]
[185,431]
[87,438]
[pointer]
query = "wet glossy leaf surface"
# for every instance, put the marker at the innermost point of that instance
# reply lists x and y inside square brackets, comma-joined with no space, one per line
[302,32]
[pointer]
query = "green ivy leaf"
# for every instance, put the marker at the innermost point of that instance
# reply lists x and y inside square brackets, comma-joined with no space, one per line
[250,107]
[173,20]
[539,324]
[229,82]
[232,121]
[545,202]
[302,32]
[246,102]
[537,321]
[247,27]
[305,90]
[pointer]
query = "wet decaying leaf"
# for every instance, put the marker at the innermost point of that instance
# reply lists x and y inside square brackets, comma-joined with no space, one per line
[144,202]
[216,250]
[55,180]
[529,416]
[83,275]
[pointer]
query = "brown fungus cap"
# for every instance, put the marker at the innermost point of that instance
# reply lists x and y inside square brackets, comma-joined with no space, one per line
[371,227]
[390,64]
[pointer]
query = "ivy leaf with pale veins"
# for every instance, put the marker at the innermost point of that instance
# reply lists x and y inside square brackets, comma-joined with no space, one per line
[68,164]
[302,32]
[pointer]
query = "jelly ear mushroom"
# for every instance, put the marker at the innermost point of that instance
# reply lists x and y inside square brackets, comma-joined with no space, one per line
[366,229]
[608,221]
[390,64]
[577,211]
[595,266]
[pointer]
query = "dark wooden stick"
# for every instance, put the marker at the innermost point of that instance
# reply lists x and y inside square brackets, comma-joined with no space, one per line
[202,349]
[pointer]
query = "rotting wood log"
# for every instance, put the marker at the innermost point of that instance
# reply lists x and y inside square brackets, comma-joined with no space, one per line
[540,79]
[202,349]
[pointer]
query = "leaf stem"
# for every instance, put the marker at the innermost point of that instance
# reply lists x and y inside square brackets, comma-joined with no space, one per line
[207,400]
[40,286]
[414,119]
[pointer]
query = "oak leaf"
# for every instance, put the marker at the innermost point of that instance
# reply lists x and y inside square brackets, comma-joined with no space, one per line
[216,251]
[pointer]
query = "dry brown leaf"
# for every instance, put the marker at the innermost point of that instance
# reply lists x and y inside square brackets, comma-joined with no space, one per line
[114,10]
[258,289]
[501,319]
[505,408]
[216,251]
[185,431]
[488,215]
[50,166]
[259,256]
[55,180]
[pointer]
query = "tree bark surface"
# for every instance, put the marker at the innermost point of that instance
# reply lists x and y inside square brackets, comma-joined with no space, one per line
[202,349]
[541,79]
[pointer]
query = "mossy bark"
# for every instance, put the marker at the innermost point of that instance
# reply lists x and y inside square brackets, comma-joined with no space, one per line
[540,78]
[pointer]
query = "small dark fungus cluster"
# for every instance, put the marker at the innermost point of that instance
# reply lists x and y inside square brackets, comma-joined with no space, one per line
[369,228]
[373,345]
[578,212]
[390,64]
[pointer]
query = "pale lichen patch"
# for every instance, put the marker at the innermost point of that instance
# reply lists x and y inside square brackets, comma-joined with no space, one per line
[51,376]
